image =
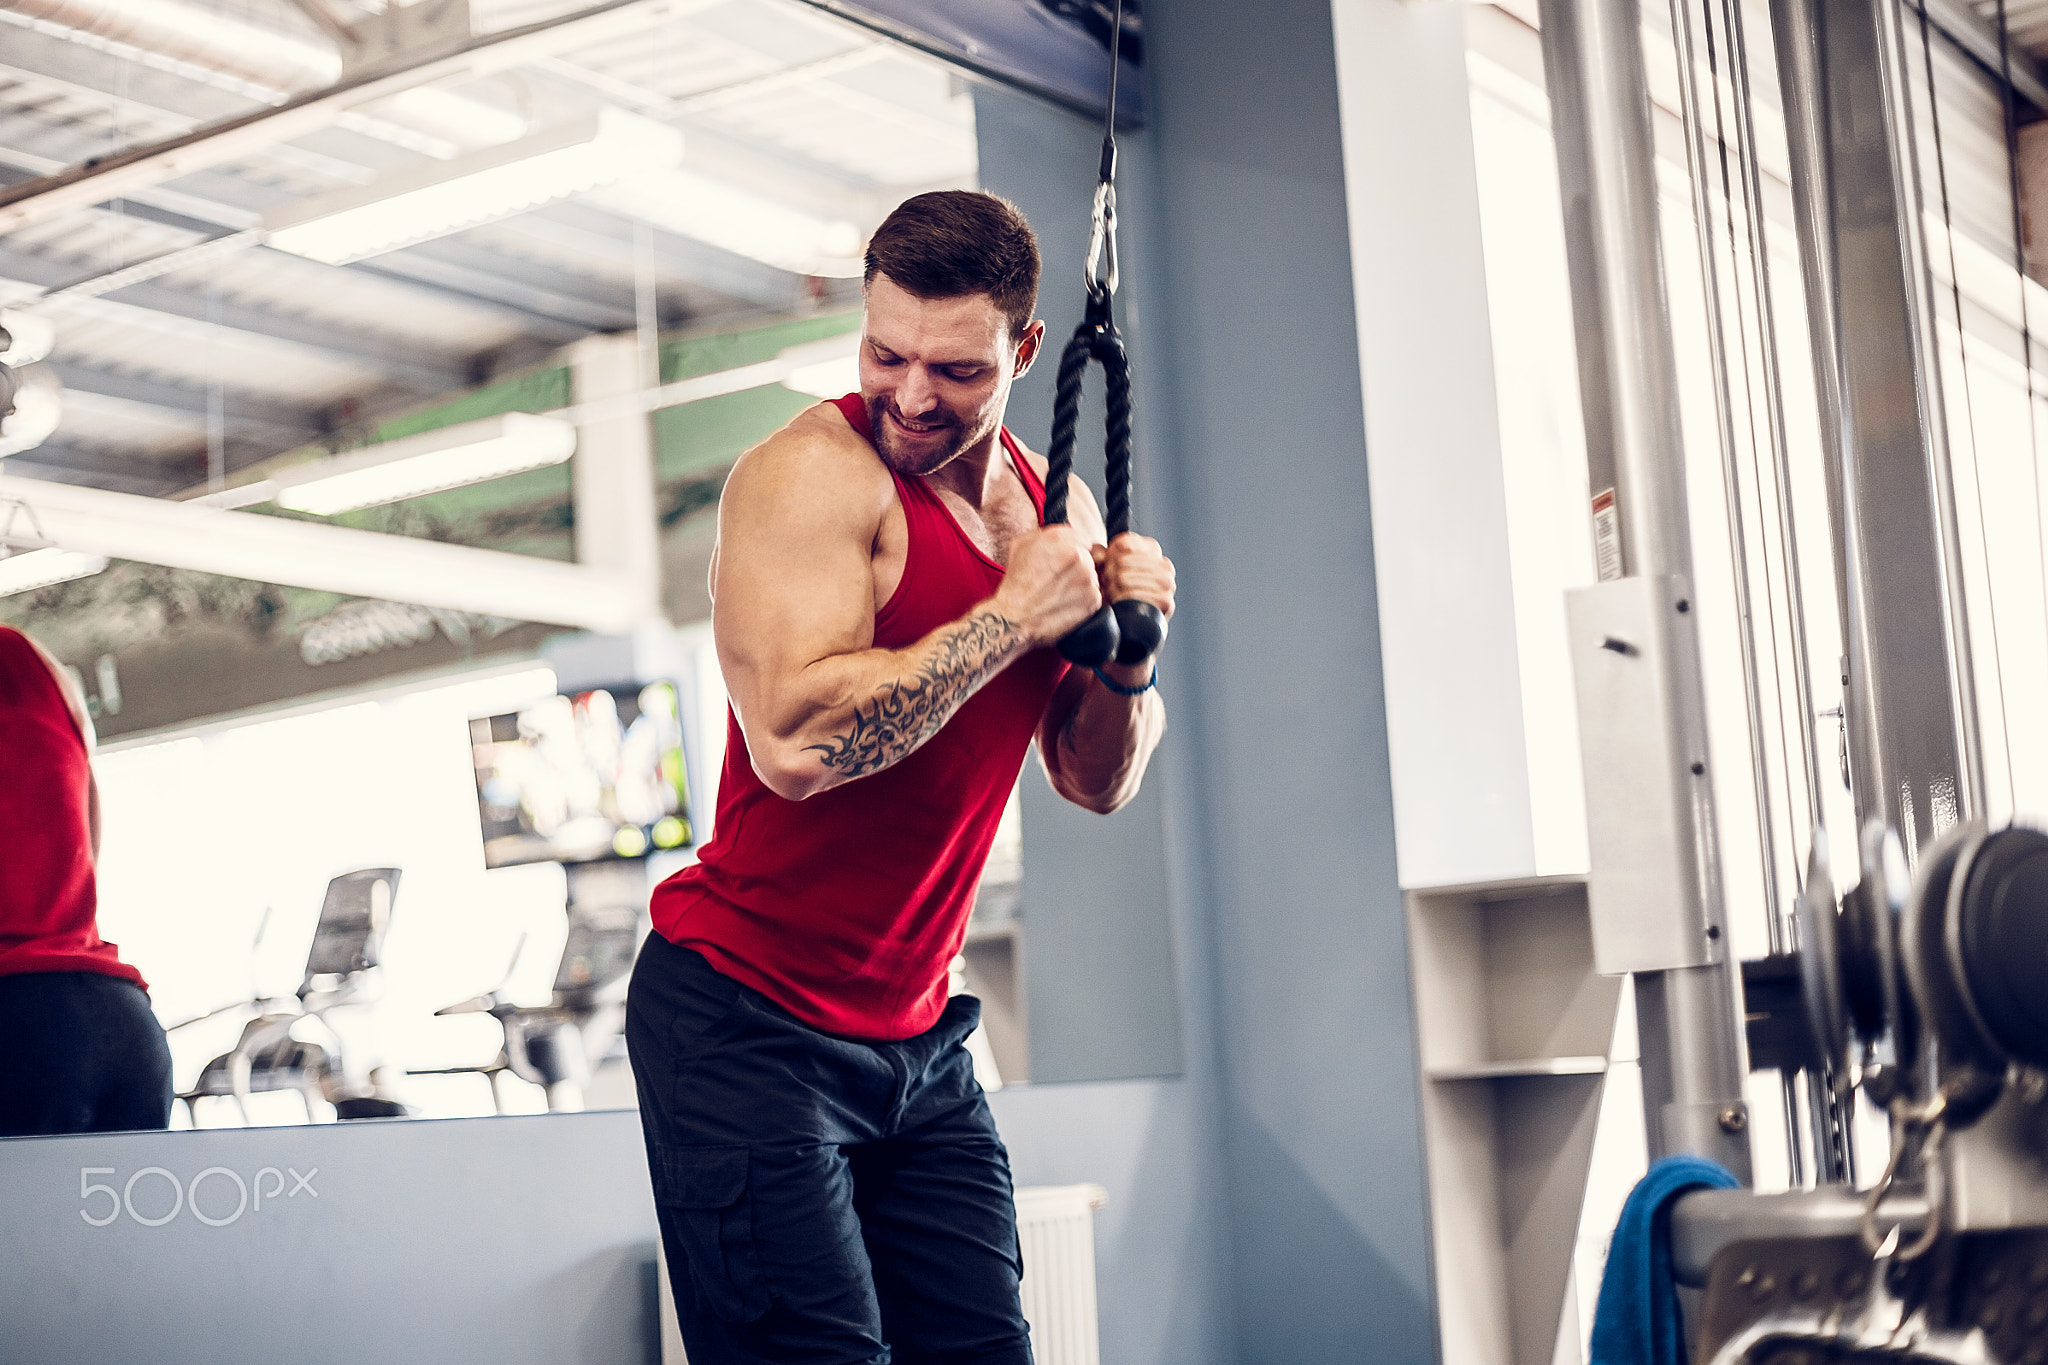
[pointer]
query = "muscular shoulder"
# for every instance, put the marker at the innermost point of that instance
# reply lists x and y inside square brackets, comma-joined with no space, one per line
[815,474]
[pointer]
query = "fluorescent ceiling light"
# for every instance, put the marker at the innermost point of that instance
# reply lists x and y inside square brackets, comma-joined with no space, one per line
[30,569]
[742,222]
[436,198]
[430,462]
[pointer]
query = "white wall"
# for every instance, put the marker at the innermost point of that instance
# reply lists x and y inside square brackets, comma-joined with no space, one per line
[206,833]
[1464,809]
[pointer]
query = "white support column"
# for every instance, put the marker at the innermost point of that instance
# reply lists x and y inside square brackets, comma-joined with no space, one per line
[1466,802]
[617,527]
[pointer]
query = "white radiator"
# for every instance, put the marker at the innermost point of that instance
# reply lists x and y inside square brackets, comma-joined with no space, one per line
[1056,1225]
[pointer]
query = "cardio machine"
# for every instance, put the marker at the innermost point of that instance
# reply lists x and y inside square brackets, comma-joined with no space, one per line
[557,1046]
[290,1045]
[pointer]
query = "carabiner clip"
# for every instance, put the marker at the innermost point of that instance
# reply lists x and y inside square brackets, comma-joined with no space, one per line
[1100,274]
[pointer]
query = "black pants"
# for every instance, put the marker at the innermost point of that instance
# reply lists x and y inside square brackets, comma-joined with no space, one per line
[80,1052]
[822,1201]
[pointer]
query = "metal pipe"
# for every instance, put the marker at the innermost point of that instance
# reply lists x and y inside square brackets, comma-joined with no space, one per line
[1910,721]
[1898,84]
[1788,536]
[1628,378]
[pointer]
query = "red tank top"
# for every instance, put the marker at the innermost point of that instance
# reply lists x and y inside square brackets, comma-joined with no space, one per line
[49,904]
[847,908]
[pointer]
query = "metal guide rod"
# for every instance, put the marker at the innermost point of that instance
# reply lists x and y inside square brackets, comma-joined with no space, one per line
[1767,328]
[1909,698]
[1933,406]
[1803,1140]
[1655,885]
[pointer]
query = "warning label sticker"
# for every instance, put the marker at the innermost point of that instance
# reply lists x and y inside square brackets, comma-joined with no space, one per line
[1606,535]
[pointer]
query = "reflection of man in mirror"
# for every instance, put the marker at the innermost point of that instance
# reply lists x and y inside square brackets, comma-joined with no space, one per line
[828,1175]
[82,1051]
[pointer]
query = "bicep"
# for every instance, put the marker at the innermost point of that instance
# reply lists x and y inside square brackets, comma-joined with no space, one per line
[794,583]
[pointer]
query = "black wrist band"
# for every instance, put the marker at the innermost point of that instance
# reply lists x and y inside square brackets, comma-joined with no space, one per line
[1122,691]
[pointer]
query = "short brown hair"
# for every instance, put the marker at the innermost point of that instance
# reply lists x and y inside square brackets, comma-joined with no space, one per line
[951,243]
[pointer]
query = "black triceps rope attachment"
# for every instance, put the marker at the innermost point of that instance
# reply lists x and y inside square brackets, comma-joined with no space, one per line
[1127,631]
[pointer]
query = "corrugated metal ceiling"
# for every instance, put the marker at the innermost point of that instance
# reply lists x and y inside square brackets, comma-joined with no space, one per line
[787,113]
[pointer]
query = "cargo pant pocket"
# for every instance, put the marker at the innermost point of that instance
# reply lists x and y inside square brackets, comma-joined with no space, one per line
[703,1196]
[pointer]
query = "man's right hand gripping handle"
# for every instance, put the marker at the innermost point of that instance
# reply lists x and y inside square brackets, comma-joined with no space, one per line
[1050,584]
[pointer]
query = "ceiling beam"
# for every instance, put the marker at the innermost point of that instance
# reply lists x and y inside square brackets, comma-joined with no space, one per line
[586,227]
[397,362]
[304,554]
[70,464]
[546,296]
[422,371]
[200,217]
[294,425]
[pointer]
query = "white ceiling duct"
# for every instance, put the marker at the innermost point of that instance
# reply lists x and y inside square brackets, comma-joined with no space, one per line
[182,535]
[38,407]
[30,337]
[199,34]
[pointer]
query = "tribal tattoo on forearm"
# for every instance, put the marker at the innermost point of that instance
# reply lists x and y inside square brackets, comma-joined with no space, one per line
[908,711]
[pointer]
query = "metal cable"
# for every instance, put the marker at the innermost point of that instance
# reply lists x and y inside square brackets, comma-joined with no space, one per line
[1776,908]
[1128,631]
[1788,538]
[1827,1121]
[1724,407]
[1955,285]
[1096,339]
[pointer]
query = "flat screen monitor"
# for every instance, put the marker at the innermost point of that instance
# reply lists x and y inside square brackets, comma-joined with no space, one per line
[583,778]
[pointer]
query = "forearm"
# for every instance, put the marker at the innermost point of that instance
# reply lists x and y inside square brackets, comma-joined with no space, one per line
[1104,747]
[850,715]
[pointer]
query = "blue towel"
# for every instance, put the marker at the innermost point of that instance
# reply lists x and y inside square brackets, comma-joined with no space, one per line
[1637,1321]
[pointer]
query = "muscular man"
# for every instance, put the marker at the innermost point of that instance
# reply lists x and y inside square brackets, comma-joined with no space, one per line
[829,1181]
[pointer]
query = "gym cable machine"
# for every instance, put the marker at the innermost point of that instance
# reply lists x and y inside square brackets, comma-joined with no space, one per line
[1924,987]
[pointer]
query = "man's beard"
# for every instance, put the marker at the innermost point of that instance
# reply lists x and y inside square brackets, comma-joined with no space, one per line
[927,456]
